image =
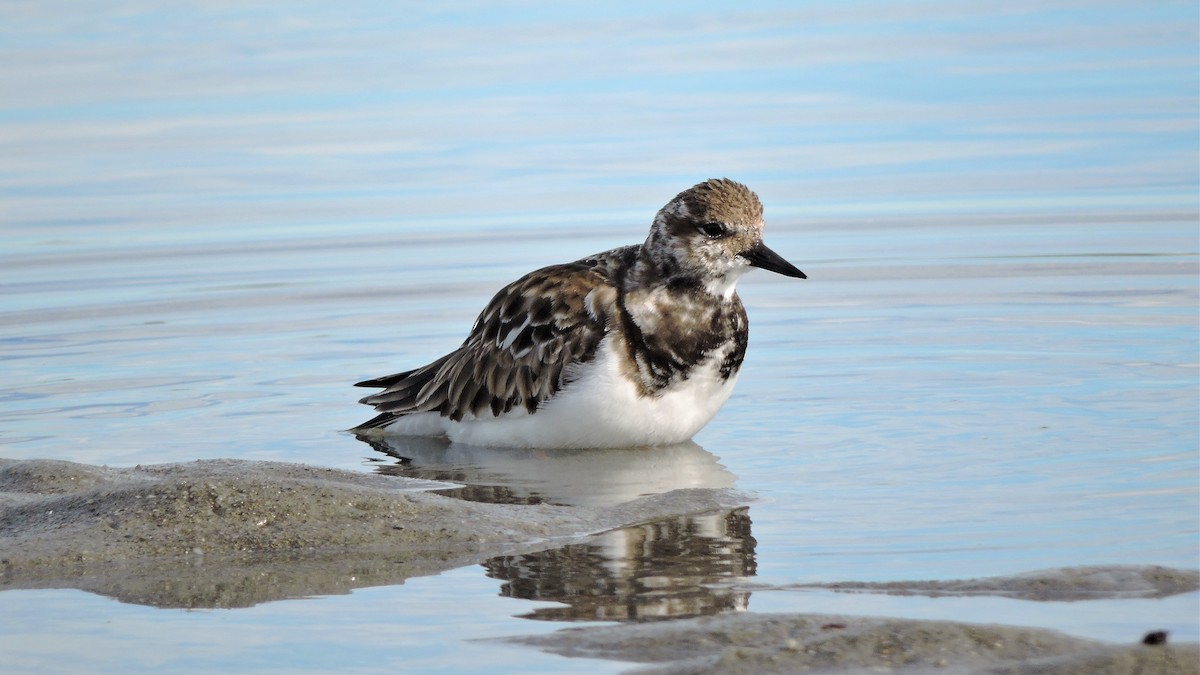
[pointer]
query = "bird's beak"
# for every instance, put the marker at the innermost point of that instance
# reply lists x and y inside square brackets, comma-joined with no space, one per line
[761,256]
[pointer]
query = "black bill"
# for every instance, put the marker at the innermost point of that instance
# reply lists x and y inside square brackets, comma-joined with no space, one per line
[763,257]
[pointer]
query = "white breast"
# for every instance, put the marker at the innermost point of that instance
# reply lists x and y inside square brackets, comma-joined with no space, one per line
[600,408]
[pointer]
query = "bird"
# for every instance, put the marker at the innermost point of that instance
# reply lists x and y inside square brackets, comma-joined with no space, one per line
[636,346]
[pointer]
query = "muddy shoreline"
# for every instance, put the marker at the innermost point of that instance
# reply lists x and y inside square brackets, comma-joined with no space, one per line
[809,643]
[160,534]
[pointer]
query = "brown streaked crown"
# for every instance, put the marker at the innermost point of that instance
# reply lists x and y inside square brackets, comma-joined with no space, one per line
[678,245]
[722,200]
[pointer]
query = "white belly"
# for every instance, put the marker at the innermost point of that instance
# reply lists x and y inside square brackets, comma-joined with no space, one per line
[601,408]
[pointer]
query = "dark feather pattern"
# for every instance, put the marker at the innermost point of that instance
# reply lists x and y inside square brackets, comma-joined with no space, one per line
[515,355]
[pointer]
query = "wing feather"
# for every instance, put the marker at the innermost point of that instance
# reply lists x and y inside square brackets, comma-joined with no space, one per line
[515,356]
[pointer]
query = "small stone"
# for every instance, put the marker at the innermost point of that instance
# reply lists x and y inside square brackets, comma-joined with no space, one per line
[1158,637]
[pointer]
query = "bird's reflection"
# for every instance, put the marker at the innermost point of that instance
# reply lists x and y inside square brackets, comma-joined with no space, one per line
[591,478]
[666,569]
[669,567]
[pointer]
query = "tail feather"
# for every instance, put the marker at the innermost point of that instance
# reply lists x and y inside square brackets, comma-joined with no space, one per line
[377,422]
[417,390]
[385,381]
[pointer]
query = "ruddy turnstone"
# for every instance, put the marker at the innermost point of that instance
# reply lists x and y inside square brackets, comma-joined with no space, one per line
[640,345]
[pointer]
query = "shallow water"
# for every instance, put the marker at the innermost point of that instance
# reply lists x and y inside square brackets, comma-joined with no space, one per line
[216,219]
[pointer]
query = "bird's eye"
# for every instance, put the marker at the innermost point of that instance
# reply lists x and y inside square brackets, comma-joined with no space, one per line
[712,230]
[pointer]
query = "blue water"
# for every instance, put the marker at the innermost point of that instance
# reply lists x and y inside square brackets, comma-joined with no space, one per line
[215,218]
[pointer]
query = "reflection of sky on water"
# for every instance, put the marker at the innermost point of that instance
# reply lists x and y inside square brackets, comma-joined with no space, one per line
[324,114]
[393,629]
[216,217]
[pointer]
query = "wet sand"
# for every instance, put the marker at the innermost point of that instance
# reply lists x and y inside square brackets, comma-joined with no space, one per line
[792,643]
[207,533]
[231,533]
[1059,585]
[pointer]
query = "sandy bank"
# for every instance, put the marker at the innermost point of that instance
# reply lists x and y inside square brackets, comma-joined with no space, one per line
[233,533]
[1057,585]
[786,643]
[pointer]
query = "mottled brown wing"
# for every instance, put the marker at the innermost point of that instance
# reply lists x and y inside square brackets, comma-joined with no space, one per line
[515,357]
